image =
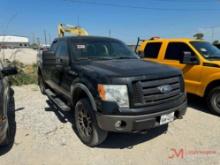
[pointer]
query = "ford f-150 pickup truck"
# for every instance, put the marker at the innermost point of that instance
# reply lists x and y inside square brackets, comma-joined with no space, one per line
[108,87]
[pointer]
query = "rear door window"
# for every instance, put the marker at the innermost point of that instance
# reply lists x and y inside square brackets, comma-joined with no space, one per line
[62,50]
[53,46]
[152,50]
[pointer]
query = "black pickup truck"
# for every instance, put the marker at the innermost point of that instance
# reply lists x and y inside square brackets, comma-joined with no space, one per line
[5,94]
[108,87]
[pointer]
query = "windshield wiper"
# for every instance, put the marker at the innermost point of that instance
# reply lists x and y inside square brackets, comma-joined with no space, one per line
[125,57]
[95,58]
[103,58]
[213,57]
[83,58]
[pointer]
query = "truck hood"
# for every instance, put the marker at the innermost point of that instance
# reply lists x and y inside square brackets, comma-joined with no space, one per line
[213,63]
[216,62]
[128,68]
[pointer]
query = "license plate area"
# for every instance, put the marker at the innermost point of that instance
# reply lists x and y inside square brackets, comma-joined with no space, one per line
[167,118]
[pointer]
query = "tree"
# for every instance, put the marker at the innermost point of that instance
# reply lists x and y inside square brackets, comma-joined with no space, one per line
[198,36]
[34,46]
[216,42]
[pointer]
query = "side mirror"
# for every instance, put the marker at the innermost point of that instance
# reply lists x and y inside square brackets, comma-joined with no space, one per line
[9,71]
[140,54]
[189,58]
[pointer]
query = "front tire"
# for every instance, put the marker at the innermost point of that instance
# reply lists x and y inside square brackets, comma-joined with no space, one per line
[10,115]
[86,125]
[7,140]
[213,100]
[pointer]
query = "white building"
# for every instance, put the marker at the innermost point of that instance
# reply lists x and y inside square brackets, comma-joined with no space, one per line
[8,41]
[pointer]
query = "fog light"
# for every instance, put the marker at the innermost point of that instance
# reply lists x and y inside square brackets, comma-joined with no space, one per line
[120,124]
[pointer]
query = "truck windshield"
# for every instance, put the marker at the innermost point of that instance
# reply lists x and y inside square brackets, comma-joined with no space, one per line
[207,50]
[102,50]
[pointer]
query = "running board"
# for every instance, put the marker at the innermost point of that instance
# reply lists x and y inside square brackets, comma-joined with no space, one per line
[56,100]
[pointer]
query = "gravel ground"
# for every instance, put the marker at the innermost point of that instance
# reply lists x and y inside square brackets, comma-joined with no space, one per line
[25,55]
[46,137]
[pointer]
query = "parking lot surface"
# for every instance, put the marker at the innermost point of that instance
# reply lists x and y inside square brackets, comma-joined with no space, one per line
[45,136]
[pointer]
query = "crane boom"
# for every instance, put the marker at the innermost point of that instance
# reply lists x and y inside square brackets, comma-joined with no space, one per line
[74,30]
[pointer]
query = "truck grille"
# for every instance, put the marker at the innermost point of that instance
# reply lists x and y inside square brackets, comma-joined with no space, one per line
[148,92]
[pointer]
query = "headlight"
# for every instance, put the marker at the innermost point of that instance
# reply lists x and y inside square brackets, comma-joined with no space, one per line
[116,93]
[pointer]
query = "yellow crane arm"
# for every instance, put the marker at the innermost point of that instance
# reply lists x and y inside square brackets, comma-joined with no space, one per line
[74,30]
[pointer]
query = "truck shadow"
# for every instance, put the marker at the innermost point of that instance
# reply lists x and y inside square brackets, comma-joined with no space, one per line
[129,140]
[114,140]
[198,103]
[12,124]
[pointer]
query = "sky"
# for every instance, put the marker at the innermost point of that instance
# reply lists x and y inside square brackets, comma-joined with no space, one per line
[122,19]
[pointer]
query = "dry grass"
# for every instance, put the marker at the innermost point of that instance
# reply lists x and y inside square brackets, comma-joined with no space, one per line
[27,74]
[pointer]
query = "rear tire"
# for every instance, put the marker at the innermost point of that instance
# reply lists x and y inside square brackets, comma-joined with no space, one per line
[213,100]
[86,125]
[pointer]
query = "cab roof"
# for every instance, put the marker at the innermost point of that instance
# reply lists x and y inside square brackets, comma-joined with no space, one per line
[174,39]
[85,38]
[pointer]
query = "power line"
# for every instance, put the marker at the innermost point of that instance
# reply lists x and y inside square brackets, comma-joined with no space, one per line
[140,7]
[186,1]
[9,21]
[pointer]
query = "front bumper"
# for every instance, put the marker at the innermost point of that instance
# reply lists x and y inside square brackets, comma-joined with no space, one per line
[3,129]
[136,123]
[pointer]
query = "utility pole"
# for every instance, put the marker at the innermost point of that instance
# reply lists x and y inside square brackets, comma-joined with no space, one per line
[109,33]
[45,37]
[212,29]
[49,38]
[78,21]
[33,38]
[213,32]
[38,41]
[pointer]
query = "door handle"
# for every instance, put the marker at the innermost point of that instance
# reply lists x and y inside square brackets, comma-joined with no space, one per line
[58,60]
[72,73]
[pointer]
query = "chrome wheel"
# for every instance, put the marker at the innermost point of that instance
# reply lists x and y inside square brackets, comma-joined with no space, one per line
[216,99]
[213,100]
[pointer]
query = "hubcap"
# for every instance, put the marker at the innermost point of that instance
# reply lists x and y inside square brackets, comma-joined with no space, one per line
[217,100]
[84,122]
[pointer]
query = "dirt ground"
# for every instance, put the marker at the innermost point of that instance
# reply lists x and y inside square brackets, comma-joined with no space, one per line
[25,55]
[45,136]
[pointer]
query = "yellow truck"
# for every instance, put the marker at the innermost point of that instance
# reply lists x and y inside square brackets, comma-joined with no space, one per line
[199,61]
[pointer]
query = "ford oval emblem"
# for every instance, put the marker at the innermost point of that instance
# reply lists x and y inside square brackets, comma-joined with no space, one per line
[165,88]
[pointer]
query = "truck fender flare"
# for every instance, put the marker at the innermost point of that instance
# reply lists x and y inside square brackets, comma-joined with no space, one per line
[86,90]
